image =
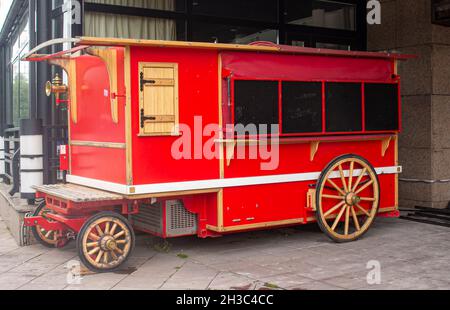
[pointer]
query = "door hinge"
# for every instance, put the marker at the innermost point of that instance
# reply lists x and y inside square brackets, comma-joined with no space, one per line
[146,118]
[144,81]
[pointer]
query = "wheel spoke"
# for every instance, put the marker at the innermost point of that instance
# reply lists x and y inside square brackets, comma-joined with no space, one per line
[363,210]
[355,219]
[117,236]
[121,241]
[341,172]
[367,199]
[113,254]
[333,197]
[99,230]
[347,219]
[338,218]
[94,251]
[118,251]
[93,237]
[99,256]
[359,179]
[107,228]
[350,177]
[47,235]
[336,187]
[106,258]
[334,209]
[92,244]
[364,187]
[113,229]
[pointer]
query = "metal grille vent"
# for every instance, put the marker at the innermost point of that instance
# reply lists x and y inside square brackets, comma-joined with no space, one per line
[149,218]
[179,220]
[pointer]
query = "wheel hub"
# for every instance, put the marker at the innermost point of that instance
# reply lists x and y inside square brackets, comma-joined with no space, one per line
[108,243]
[352,199]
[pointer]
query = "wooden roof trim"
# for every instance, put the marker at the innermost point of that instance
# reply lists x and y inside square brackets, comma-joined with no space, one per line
[255,47]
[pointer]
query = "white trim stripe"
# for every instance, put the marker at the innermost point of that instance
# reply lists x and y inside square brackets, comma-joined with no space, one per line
[161,188]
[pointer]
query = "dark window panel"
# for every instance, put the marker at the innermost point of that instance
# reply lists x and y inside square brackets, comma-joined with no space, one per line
[302,107]
[321,13]
[258,10]
[208,32]
[343,107]
[256,102]
[381,107]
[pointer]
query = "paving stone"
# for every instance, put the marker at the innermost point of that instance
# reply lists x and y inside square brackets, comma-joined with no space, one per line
[13,280]
[191,276]
[232,281]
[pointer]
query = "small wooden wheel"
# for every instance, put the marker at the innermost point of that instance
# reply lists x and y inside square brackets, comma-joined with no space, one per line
[50,238]
[347,198]
[105,242]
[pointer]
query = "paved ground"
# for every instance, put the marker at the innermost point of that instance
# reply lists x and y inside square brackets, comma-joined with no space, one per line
[410,256]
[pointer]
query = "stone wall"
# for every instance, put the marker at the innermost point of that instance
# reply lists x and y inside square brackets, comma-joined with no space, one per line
[424,144]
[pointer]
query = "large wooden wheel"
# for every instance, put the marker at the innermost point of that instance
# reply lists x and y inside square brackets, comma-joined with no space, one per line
[105,242]
[48,238]
[347,198]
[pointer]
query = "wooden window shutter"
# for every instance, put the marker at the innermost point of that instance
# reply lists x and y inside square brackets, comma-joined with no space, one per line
[158,88]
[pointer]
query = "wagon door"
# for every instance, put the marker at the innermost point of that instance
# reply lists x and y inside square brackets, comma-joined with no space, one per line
[158,99]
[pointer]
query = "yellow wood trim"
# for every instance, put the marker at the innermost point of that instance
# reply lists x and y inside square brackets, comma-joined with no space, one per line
[110,145]
[396,175]
[220,122]
[69,65]
[220,207]
[311,200]
[128,129]
[161,82]
[255,226]
[385,145]
[180,44]
[109,57]
[386,210]
[230,147]
[73,91]
[314,149]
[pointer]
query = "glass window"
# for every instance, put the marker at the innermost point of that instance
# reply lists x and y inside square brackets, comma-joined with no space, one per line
[20,75]
[16,92]
[206,32]
[333,46]
[382,105]
[256,103]
[260,10]
[132,27]
[343,107]
[5,6]
[165,5]
[302,107]
[321,13]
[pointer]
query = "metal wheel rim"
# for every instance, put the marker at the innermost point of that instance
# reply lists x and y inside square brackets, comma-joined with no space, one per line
[106,243]
[350,201]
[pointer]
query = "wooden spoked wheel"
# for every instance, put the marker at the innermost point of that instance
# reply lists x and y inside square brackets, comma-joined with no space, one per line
[48,238]
[347,198]
[105,242]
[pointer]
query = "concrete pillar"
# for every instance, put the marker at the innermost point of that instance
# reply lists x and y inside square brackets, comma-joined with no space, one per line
[425,141]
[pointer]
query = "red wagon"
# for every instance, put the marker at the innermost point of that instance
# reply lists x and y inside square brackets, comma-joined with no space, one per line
[154,146]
